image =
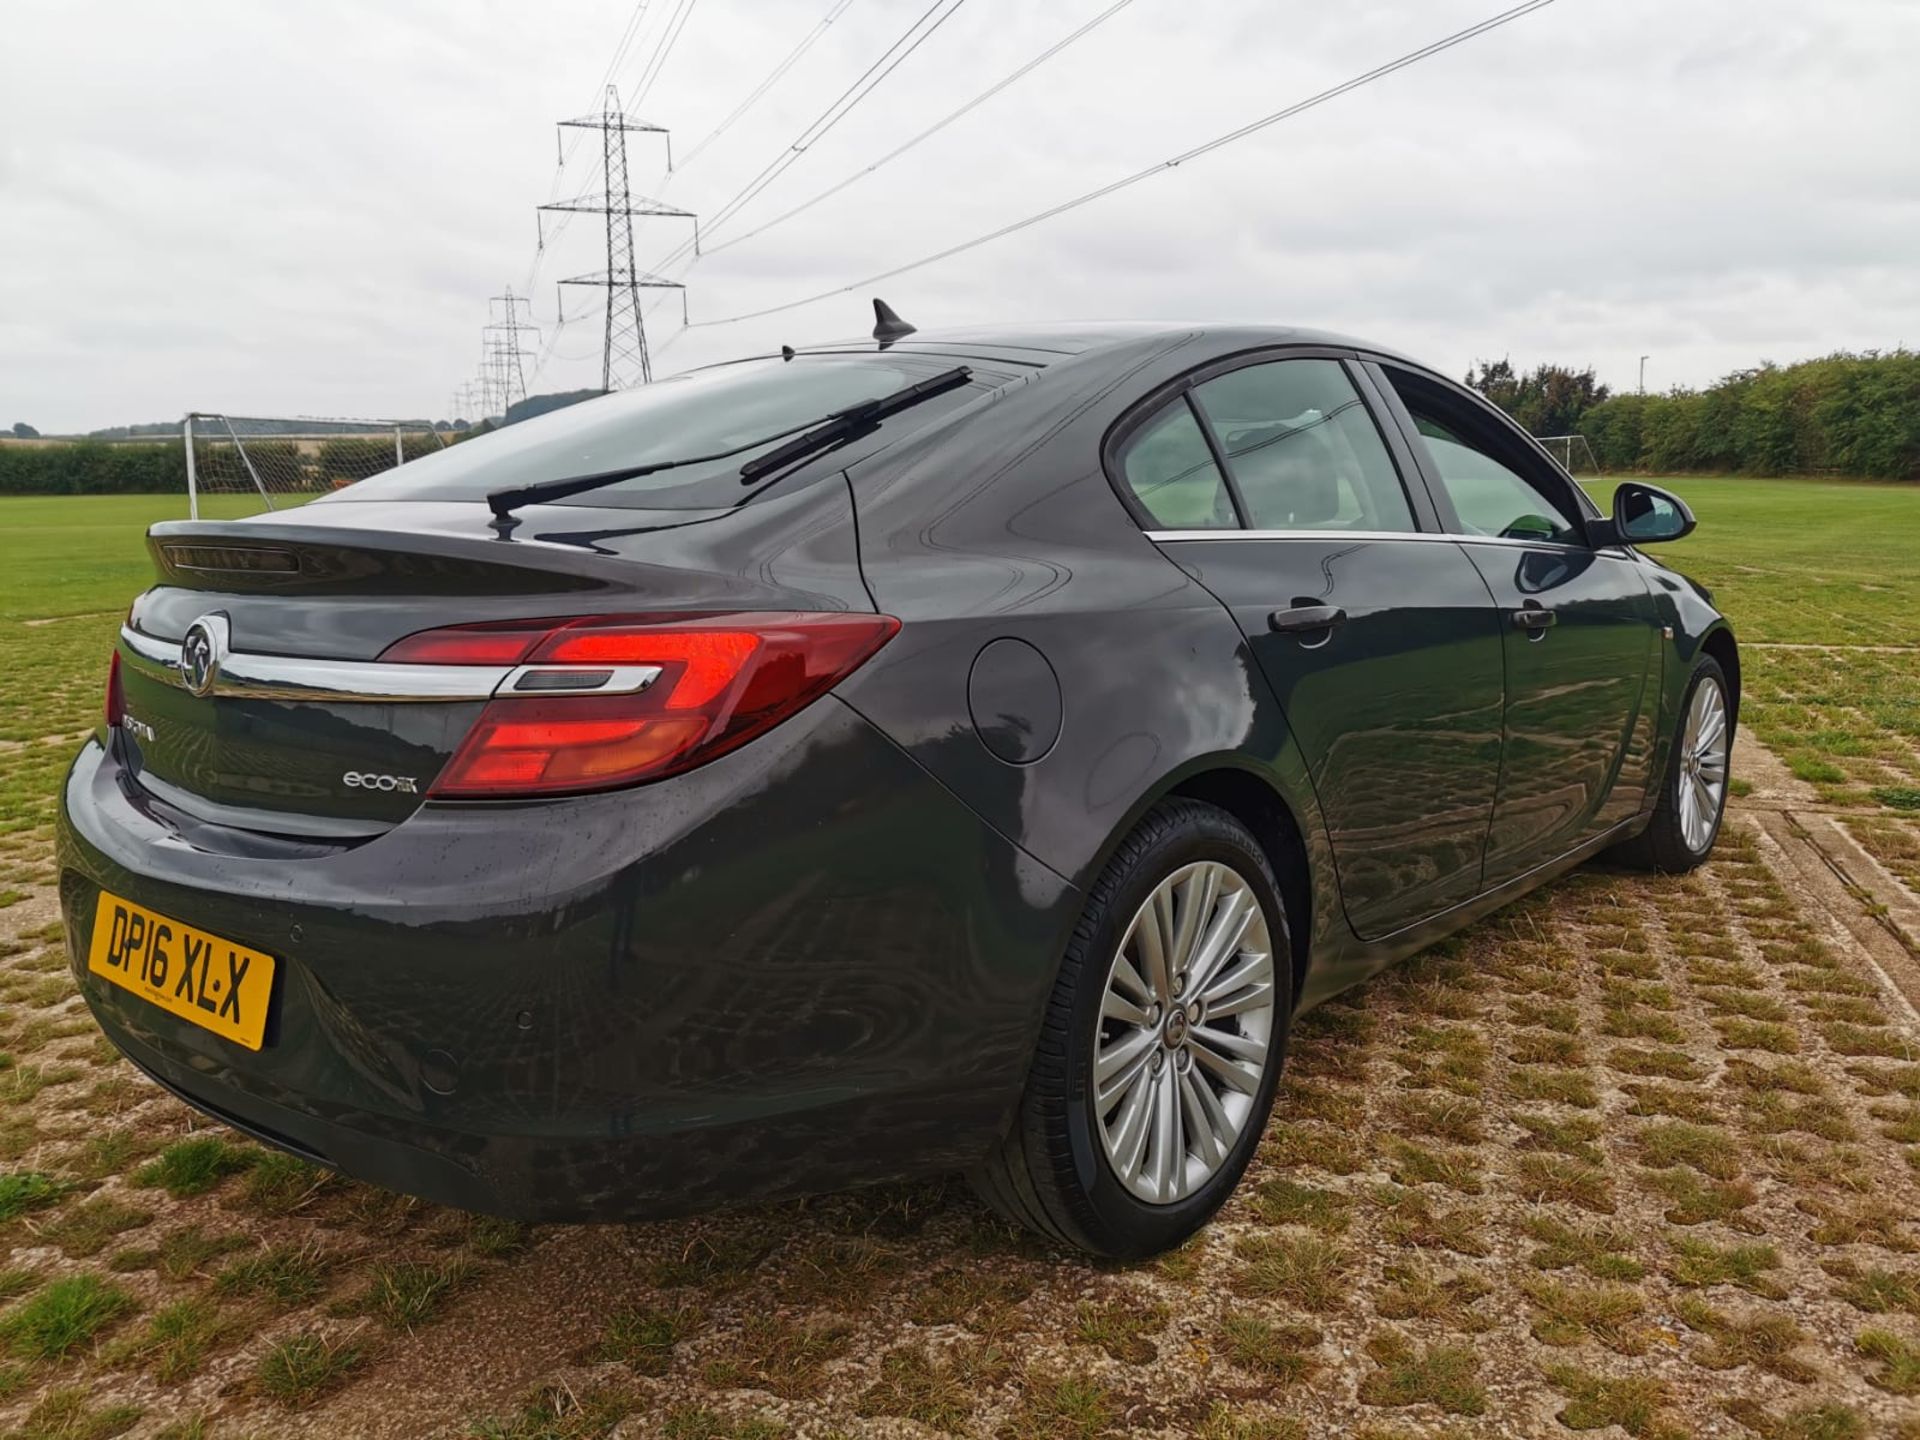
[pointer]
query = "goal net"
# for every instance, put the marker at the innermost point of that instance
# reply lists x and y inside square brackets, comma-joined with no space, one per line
[1573,452]
[281,462]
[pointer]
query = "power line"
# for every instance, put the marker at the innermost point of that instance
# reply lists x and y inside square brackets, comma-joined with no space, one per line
[572,143]
[1459,37]
[910,40]
[668,38]
[634,24]
[707,249]
[773,78]
[915,35]
[927,134]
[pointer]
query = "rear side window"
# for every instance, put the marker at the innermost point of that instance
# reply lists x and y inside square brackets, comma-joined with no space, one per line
[1171,472]
[1303,451]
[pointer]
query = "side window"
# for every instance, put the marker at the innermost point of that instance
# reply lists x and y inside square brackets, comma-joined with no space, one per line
[1170,470]
[1302,449]
[1491,497]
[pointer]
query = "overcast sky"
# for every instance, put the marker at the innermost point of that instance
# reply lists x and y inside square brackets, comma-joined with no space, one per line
[301,208]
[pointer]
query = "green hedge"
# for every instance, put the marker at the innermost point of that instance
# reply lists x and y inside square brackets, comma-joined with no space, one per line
[1842,415]
[90,467]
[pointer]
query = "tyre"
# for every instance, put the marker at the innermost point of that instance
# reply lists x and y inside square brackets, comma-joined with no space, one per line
[1161,1046]
[1693,792]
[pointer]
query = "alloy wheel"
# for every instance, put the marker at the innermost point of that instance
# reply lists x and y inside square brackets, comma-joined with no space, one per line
[1186,1022]
[1704,748]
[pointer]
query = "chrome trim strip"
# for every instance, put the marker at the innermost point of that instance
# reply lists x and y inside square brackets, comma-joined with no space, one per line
[294,677]
[596,679]
[287,677]
[161,656]
[1428,536]
[1321,535]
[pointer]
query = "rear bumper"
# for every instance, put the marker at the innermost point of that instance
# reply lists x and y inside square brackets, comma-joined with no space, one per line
[802,966]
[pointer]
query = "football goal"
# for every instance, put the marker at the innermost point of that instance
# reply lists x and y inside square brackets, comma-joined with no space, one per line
[286,461]
[1573,452]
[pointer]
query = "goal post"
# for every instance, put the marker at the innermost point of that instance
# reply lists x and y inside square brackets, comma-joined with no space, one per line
[289,460]
[1573,452]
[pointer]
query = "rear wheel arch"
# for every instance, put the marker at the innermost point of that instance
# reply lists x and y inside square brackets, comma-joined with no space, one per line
[1259,806]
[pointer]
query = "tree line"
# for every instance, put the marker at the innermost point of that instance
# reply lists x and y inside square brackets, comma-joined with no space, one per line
[1844,414]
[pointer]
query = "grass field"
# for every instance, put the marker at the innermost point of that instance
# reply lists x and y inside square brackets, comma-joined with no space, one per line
[1804,561]
[1635,1157]
[1811,563]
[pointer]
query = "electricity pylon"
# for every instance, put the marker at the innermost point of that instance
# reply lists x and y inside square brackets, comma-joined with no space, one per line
[500,340]
[624,356]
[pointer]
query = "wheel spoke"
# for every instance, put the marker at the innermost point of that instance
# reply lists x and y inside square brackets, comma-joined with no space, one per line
[1222,939]
[1712,730]
[1130,1141]
[1153,933]
[1226,1070]
[1128,978]
[1129,1049]
[1256,995]
[1197,895]
[1236,1047]
[1116,1006]
[1206,1120]
[1167,1151]
[1253,968]
[1706,803]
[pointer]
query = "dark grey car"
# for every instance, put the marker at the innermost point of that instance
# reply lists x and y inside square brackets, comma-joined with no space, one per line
[974,764]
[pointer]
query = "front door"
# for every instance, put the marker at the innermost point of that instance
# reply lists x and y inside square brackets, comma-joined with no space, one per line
[1579,632]
[1380,642]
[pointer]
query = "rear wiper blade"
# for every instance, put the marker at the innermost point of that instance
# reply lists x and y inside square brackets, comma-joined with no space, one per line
[855,419]
[836,426]
[505,502]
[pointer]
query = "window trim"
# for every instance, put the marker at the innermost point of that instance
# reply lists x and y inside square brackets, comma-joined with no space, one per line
[1113,462]
[1538,467]
[1414,485]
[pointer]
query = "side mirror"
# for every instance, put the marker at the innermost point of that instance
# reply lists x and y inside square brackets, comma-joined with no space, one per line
[1644,515]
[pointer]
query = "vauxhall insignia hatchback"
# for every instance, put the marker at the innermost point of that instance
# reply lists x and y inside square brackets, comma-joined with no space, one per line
[961,752]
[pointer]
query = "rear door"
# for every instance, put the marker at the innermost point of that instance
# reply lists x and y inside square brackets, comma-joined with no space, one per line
[1271,483]
[1578,627]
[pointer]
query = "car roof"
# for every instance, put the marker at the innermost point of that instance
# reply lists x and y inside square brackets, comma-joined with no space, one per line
[1038,345]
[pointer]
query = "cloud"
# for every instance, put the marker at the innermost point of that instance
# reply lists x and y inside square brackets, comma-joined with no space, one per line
[279,209]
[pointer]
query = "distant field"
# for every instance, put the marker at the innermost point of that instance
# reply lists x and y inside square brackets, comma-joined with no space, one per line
[1803,561]
[71,554]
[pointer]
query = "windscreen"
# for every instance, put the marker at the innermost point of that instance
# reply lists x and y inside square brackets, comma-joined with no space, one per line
[698,413]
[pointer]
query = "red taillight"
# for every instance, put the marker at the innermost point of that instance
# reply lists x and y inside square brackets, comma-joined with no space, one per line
[504,643]
[116,705]
[723,680]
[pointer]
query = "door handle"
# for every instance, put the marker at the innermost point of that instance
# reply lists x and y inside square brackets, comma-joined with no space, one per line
[1536,618]
[1303,618]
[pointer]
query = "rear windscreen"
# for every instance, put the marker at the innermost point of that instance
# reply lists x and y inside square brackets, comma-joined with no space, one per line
[698,413]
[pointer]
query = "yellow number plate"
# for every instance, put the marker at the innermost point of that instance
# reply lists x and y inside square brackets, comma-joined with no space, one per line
[214,983]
